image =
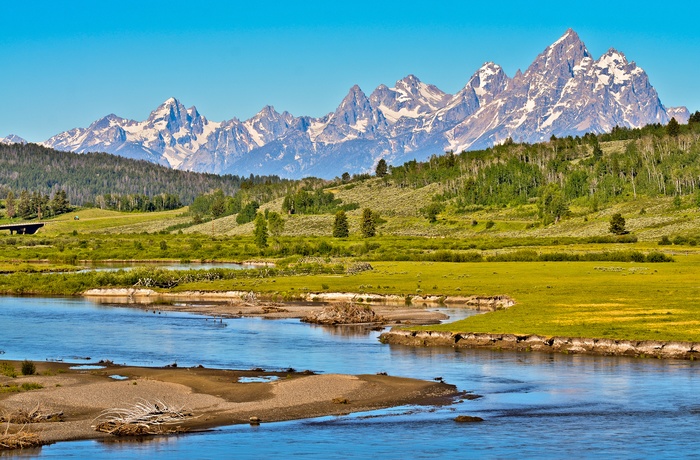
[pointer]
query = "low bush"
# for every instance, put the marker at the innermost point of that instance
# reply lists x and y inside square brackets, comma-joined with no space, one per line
[28,367]
[8,370]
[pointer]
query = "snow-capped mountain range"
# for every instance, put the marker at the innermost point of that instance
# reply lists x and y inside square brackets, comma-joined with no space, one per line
[564,92]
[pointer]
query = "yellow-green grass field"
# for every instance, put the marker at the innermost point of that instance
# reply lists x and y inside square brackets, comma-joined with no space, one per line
[102,220]
[636,301]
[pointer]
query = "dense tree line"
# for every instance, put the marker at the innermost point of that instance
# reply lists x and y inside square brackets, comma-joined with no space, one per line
[138,202]
[313,202]
[85,177]
[35,205]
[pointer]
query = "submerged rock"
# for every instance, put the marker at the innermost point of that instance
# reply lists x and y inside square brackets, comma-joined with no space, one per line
[468,419]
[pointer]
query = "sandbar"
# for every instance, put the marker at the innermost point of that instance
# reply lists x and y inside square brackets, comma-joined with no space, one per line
[213,397]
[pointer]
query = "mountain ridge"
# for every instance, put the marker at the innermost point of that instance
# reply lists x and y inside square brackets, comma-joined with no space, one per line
[563,92]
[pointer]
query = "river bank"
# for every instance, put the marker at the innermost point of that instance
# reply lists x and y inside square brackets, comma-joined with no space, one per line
[208,397]
[392,309]
[573,345]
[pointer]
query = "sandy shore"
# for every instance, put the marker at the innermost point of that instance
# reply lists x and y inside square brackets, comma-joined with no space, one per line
[214,397]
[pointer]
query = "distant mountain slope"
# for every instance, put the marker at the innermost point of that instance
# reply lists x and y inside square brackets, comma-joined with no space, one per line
[12,139]
[563,92]
[85,177]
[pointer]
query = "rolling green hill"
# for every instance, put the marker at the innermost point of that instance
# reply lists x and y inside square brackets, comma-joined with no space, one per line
[86,177]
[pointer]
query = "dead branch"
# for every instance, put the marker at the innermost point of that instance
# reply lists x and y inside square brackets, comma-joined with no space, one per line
[19,440]
[143,418]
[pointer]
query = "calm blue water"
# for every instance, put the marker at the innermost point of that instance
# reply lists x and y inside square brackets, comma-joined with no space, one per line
[535,405]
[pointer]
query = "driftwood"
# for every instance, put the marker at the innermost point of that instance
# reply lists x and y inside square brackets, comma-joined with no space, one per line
[19,440]
[34,415]
[143,418]
[274,309]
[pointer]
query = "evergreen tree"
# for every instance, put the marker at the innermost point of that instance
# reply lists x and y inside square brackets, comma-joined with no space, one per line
[368,224]
[617,224]
[260,232]
[694,118]
[673,129]
[218,207]
[597,151]
[551,204]
[59,204]
[276,223]
[24,206]
[382,168]
[340,225]
[10,205]
[345,177]
[248,213]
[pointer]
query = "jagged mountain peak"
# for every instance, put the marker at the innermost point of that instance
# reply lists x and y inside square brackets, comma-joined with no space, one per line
[268,124]
[355,105]
[570,37]
[108,121]
[614,55]
[355,96]
[409,81]
[489,67]
[168,107]
[12,139]
[266,113]
[559,59]
[488,76]
[193,112]
[409,98]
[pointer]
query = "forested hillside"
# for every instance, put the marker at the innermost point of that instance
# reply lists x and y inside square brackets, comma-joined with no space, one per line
[87,178]
[589,171]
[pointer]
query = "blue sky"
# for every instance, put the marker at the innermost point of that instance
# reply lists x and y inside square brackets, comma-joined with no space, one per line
[68,63]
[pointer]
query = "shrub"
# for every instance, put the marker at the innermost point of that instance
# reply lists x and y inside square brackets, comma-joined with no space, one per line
[626,239]
[664,241]
[679,240]
[28,368]
[657,256]
[8,370]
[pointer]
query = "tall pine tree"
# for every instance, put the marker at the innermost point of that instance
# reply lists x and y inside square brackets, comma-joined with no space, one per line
[260,232]
[340,225]
[368,225]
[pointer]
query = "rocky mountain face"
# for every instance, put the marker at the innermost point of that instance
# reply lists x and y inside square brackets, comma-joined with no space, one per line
[565,91]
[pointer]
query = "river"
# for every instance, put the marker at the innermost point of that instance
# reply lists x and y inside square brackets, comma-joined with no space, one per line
[534,405]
